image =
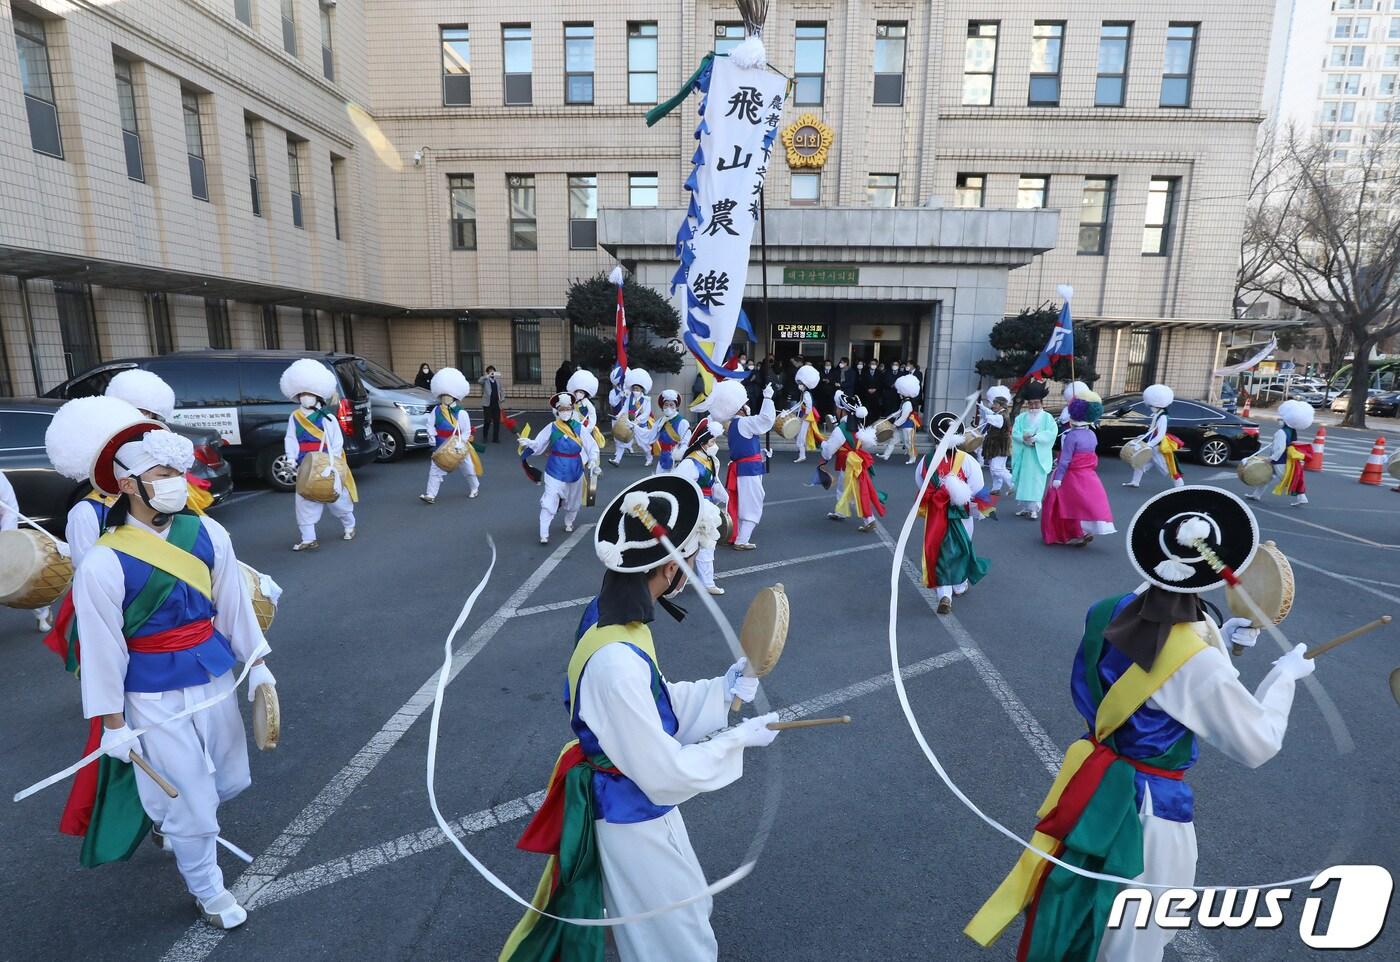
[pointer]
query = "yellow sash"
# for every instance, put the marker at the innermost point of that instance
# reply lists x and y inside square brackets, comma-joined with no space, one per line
[159,553]
[447,413]
[342,466]
[1292,464]
[1129,693]
[309,425]
[595,638]
[565,429]
[848,505]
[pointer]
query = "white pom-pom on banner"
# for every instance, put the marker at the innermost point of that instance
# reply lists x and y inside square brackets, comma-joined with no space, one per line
[1192,531]
[1065,291]
[616,277]
[750,53]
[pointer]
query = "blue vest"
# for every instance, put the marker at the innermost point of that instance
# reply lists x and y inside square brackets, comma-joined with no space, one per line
[742,447]
[99,509]
[565,456]
[306,441]
[1147,733]
[1292,437]
[668,438]
[705,474]
[172,670]
[443,428]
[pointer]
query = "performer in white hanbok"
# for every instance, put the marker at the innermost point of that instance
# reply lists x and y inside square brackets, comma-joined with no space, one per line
[582,386]
[314,426]
[164,615]
[451,420]
[1164,445]
[1152,679]
[701,465]
[637,411]
[805,410]
[668,434]
[1289,455]
[950,565]
[728,404]
[571,451]
[996,421]
[644,745]
[905,421]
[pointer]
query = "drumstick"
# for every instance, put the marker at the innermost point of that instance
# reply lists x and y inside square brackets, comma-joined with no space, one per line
[783,726]
[1326,646]
[155,776]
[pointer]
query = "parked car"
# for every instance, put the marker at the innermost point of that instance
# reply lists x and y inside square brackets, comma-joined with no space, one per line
[1210,435]
[1342,401]
[402,413]
[238,394]
[1385,405]
[45,495]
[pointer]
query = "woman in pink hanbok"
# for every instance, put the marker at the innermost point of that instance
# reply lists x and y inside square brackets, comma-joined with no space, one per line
[1076,506]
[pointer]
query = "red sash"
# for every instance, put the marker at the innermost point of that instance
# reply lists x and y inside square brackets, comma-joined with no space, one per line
[731,485]
[179,638]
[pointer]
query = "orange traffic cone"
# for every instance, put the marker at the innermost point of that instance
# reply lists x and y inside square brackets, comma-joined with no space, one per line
[1319,447]
[1244,412]
[1375,464]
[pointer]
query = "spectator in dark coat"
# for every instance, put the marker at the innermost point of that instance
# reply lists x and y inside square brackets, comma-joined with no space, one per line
[424,378]
[561,376]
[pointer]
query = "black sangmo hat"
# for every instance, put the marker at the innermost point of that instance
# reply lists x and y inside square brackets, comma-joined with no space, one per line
[1181,539]
[942,423]
[1034,390]
[626,541]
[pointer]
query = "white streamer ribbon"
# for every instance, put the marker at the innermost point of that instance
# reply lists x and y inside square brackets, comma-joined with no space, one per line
[895,580]
[766,819]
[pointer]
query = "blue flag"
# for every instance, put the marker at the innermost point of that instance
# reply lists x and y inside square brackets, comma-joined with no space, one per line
[1060,346]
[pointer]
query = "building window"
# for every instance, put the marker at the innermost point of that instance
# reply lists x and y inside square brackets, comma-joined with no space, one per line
[1032,192]
[243,12]
[1352,28]
[980,63]
[1047,42]
[806,188]
[456,66]
[1347,57]
[347,332]
[1387,86]
[643,190]
[1339,112]
[969,190]
[272,331]
[469,346]
[1394,33]
[1347,85]
[1391,57]
[337,175]
[525,346]
[327,47]
[1111,89]
[294,180]
[523,236]
[578,63]
[889,63]
[1093,214]
[728,36]
[641,63]
[583,212]
[289,26]
[519,62]
[194,144]
[131,131]
[253,189]
[1178,64]
[461,194]
[809,66]
[310,329]
[162,332]
[216,316]
[1161,199]
[1142,359]
[882,190]
[31,41]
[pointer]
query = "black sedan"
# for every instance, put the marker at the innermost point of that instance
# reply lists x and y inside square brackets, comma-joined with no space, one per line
[1385,405]
[1209,435]
[44,494]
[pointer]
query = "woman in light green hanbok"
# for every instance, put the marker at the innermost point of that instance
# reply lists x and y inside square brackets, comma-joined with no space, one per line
[1032,440]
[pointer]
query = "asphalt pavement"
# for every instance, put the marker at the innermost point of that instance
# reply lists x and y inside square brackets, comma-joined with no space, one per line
[870,857]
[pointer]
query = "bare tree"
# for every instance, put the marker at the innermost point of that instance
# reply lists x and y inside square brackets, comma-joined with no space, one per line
[1331,244]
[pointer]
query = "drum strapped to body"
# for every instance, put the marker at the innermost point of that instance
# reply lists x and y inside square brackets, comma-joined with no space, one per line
[971,442]
[884,431]
[1269,582]
[1255,470]
[316,478]
[34,573]
[787,425]
[764,632]
[267,718]
[264,602]
[1393,465]
[622,430]
[1137,453]
[451,453]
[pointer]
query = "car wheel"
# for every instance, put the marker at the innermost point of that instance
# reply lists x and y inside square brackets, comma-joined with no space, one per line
[277,469]
[391,443]
[1214,452]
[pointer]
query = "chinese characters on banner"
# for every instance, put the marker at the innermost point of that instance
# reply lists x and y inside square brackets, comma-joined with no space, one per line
[739,116]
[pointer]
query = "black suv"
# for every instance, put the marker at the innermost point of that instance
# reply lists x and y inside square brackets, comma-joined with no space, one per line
[237,393]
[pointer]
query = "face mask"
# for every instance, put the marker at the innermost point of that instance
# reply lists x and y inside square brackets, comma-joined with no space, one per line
[669,410]
[308,402]
[564,414]
[168,495]
[712,450]
[676,586]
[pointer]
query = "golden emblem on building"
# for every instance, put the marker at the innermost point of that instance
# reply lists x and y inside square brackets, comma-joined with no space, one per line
[807,140]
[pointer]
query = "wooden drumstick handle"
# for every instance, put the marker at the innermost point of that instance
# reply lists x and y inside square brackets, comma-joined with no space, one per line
[1327,646]
[736,704]
[808,723]
[155,776]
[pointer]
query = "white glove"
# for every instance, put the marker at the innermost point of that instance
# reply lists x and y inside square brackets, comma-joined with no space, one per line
[593,468]
[737,684]
[259,675]
[1294,665]
[1056,483]
[110,736]
[768,392]
[755,733]
[1239,631]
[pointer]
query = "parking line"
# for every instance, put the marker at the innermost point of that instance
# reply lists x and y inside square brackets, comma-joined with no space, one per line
[201,939]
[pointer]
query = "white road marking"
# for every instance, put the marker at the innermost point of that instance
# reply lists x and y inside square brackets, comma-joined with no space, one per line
[416,843]
[1322,527]
[1362,583]
[736,573]
[1190,944]
[810,497]
[245,496]
[200,939]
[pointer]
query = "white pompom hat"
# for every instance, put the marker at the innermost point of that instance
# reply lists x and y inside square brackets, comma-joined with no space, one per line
[89,436]
[1298,415]
[1159,396]
[585,381]
[999,392]
[725,400]
[145,391]
[807,376]
[636,377]
[907,385]
[449,381]
[308,376]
